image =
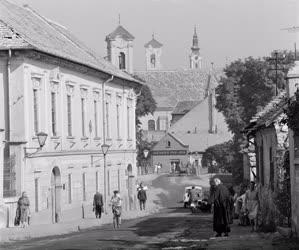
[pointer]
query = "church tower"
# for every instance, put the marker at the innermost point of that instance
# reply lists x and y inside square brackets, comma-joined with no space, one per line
[195,59]
[153,52]
[120,49]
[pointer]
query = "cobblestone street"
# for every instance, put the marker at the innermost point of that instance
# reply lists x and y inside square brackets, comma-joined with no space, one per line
[174,228]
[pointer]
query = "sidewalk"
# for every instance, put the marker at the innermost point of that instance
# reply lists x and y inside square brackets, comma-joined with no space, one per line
[37,231]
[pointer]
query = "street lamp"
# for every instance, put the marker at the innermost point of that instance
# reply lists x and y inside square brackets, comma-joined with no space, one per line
[145,153]
[41,137]
[105,147]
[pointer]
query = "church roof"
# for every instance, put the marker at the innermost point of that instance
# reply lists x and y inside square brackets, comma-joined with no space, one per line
[121,32]
[23,28]
[184,107]
[170,87]
[153,43]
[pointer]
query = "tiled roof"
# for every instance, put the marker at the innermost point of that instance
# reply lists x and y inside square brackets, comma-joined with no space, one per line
[120,31]
[269,113]
[154,43]
[31,30]
[170,87]
[183,107]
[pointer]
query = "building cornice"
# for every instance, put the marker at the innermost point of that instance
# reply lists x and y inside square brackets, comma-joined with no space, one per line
[79,152]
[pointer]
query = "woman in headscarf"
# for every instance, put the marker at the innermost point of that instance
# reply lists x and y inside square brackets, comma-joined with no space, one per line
[252,204]
[23,208]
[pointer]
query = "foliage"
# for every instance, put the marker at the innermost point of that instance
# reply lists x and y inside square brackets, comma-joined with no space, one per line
[145,105]
[246,87]
[283,194]
[292,113]
[267,210]
[218,157]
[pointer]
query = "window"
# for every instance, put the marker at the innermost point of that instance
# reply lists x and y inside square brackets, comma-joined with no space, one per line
[163,123]
[69,115]
[95,104]
[153,60]
[107,119]
[36,194]
[168,144]
[35,110]
[151,125]
[70,188]
[53,113]
[118,120]
[122,60]
[83,116]
[84,186]
[97,181]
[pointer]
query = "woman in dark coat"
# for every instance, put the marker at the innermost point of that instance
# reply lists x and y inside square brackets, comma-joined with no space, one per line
[221,202]
[23,210]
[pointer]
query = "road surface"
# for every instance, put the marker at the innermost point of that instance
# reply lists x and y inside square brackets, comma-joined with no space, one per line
[152,232]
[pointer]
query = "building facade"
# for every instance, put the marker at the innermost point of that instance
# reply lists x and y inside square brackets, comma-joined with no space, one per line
[81,102]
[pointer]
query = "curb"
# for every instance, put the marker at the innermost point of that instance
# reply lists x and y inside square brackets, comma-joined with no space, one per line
[18,234]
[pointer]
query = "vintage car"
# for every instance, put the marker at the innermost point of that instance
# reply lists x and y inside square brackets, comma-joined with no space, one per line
[200,204]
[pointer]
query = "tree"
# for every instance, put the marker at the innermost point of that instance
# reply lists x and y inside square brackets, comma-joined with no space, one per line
[145,105]
[218,157]
[246,87]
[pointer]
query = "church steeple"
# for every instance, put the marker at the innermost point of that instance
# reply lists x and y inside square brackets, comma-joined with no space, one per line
[195,40]
[195,59]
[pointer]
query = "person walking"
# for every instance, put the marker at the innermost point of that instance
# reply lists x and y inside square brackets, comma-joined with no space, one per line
[98,204]
[115,202]
[252,204]
[141,195]
[221,207]
[23,211]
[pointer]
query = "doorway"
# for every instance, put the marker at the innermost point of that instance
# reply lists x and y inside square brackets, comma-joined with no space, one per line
[56,194]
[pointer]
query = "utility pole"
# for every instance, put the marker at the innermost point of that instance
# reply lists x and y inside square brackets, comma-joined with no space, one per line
[276,59]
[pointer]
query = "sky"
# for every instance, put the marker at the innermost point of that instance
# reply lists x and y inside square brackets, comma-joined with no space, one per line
[227,29]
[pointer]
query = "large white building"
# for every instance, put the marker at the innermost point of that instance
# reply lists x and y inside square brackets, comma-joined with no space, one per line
[50,82]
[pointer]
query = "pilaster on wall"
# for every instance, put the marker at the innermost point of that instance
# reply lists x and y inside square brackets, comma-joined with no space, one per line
[2,207]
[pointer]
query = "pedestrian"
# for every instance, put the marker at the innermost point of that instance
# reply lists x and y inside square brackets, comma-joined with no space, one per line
[141,195]
[98,204]
[115,202]
[231,204]
[23,211]
[252,204]
[221,206]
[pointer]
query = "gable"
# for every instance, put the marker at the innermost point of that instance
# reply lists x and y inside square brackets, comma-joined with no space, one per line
[169,143]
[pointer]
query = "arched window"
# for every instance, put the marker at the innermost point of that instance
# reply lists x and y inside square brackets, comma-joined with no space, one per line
[153,60]
[122,60]
[151,125]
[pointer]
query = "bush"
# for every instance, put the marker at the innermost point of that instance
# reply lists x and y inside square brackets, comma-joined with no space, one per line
[267,210]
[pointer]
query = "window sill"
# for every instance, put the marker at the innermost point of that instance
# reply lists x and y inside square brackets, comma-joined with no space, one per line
[97,138]
[130,139]
[84,138]
[55,137]
[70,137]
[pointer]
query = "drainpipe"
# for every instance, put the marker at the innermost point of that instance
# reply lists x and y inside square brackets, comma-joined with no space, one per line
[104,139]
